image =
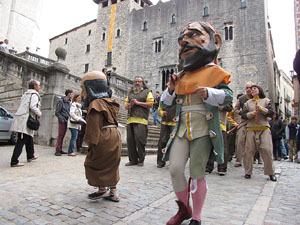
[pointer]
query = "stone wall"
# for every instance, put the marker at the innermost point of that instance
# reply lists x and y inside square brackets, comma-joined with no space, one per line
[15,72]
[247,57]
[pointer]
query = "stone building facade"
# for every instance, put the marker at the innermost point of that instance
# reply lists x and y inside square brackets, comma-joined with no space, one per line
[20,23]
[287,94]
[141,39]
[297,22]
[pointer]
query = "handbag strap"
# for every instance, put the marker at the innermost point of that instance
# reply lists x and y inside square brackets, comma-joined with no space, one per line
[30,102]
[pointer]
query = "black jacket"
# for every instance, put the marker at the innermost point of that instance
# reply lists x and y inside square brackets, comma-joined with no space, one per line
[277,128]
[62,111]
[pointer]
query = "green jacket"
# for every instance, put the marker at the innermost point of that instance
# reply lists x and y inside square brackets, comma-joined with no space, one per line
[212,117]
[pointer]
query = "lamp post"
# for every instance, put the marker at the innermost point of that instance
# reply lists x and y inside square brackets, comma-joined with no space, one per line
[291,74]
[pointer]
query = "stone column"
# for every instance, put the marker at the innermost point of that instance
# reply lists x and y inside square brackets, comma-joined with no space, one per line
[57,73]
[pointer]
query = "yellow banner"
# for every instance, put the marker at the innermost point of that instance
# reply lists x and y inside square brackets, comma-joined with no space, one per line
[111,27]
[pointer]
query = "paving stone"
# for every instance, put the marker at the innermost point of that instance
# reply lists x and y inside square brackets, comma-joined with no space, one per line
[146,194]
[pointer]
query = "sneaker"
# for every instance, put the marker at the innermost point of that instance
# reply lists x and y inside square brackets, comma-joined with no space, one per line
[207,171]
[57,153]
[247,176]
[222,173]
[17,165]
[72,154]
[32,159]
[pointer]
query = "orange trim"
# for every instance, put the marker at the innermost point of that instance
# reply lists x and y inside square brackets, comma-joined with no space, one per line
[188,120]
[111,27]
[209,76]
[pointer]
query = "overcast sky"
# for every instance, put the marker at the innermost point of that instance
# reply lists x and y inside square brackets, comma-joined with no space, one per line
[62,15]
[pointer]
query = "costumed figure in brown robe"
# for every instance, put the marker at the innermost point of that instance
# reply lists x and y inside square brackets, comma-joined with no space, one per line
[102,136]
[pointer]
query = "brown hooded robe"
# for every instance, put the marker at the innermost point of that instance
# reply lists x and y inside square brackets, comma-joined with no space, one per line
[104,152]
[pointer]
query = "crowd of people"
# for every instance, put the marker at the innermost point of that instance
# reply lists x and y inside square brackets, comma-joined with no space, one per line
[199,123]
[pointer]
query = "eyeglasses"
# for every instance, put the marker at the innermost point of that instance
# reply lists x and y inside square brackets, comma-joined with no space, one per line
[138,81]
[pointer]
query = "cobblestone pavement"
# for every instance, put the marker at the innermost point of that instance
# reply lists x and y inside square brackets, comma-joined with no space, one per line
[53,190]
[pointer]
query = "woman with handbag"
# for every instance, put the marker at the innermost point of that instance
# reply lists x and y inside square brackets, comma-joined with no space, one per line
[74,122]
[28,112]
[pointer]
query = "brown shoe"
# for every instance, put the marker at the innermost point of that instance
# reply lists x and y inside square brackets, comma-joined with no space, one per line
[130,164]
[32,159]
[183,213]
[17,165]
[140,164]
[237,164]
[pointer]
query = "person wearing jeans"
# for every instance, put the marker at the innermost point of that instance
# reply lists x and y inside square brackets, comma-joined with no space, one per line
[155,109]
[74,122]
[62,113]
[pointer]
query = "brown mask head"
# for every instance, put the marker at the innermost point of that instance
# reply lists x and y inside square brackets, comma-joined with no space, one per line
[94,86]
[199,45]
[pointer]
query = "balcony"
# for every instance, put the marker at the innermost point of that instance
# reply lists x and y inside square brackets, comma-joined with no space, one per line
[287,98]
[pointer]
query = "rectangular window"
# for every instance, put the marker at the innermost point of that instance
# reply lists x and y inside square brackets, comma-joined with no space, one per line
[104,4]
[243,3]
[89,32]
[87,49]
[66,41]
[86,68]
[109,59]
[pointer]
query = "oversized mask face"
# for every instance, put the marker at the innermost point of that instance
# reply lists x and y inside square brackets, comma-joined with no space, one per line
[199,45]
[94,86]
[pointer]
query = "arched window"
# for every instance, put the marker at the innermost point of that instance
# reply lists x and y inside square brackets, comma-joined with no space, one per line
[103,36]
[159,46]
[226,33]
[173,19]
[205,11]
[230,33]
[145,26]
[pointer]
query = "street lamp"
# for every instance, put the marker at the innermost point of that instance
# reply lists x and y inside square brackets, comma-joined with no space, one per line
[291,73]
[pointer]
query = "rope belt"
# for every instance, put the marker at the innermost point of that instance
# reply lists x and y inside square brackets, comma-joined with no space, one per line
[109,126]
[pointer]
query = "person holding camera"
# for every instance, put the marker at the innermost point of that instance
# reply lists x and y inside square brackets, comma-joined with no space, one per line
[29,106]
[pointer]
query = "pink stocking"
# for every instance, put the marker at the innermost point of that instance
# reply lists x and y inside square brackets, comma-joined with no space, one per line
[198,189]
[183,196]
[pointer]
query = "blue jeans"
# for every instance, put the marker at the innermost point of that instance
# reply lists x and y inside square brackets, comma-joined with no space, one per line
[155,118]
[284,149]
[74,134]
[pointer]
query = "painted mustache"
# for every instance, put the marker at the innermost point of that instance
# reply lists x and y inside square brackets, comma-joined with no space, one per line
[188,47]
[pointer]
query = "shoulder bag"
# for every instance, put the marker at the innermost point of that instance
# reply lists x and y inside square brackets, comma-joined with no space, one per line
[32,123]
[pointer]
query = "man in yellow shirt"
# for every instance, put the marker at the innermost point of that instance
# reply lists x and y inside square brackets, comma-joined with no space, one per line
[138,103]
